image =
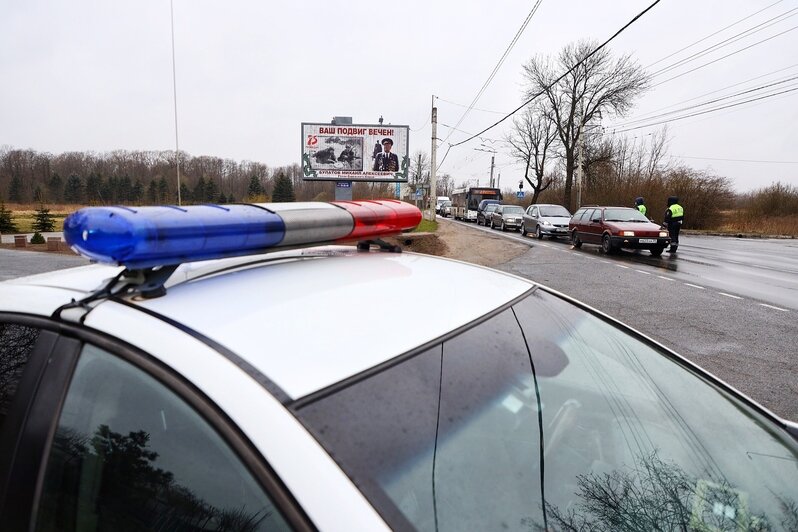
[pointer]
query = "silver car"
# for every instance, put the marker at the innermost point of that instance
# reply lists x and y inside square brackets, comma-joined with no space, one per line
[506,217]
[544,219]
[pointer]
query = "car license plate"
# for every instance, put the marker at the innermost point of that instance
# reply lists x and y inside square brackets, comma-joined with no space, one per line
[648,240]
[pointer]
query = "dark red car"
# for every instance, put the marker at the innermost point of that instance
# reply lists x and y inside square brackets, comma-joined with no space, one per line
[614,228]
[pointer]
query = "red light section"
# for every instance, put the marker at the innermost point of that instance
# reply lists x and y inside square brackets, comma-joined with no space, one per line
[375,218]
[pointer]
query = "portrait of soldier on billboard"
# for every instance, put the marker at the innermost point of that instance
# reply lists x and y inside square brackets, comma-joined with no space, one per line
[386,161]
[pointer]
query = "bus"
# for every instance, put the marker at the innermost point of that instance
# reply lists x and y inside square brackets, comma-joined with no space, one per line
[466,200]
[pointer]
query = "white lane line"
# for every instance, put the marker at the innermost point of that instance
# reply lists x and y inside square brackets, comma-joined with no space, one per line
[695,286]
[774,308]
[644,273]
[666,278]
[729,295]
[622,266]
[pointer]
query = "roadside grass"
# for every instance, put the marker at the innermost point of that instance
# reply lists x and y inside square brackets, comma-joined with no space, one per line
[426,226]
[747,223]
[23,215]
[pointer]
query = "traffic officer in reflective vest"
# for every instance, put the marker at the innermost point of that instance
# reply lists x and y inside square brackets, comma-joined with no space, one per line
[673,221]
[641,205]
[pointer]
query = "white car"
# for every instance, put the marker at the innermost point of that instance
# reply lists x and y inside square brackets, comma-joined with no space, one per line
[197,382]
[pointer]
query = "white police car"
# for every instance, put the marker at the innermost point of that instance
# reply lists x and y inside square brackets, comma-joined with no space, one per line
[305,389]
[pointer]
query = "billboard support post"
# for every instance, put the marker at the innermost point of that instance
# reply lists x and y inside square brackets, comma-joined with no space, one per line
[343,189]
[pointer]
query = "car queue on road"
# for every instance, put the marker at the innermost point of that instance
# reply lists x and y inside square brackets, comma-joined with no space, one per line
[612,228]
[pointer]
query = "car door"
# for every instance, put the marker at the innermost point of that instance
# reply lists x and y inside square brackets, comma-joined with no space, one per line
[496,216]
[106,438]
[593,228]
[532,220]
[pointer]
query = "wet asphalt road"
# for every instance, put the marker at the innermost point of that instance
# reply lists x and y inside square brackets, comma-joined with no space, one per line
[729,305]
[15,263]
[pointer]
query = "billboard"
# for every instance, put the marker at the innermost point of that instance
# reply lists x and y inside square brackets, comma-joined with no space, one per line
[355,152]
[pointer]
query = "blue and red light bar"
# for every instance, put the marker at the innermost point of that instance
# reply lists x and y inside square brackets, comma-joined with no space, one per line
[142,237]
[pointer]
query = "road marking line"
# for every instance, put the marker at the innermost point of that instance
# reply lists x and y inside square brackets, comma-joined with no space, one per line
[666,278]
[775,308]
[644,273]
[622,266]
[729,295]
[605,261]
[695,286]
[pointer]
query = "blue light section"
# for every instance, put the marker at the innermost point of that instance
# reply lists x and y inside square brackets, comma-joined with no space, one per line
[142,237]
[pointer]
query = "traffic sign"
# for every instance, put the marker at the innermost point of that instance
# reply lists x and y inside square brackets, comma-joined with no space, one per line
[343,184]
[520,194]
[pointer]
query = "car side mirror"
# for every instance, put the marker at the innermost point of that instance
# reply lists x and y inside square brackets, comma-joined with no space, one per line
[596,220]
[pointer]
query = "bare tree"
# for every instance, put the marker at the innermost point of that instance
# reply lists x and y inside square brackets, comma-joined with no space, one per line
[419,169]
[531,140]
[600,84]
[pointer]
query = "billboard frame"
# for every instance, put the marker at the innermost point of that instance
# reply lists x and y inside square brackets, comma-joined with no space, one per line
[364,176]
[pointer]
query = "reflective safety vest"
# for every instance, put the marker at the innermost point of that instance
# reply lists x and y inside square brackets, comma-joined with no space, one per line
[642,209]
[677,211]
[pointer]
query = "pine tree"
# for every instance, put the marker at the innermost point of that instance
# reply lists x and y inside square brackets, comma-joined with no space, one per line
[55,187]
[198,195]
[185,193]
[255,187]
[152,193]
[43,220]
[15,189]
[211,191]
[73,190]
[94,188]
[137,192]
[7,225]
[283,188]
[163,190]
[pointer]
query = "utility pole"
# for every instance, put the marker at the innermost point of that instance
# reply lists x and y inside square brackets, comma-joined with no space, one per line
[581,155]
[174,90]
[492,159]
[433,161]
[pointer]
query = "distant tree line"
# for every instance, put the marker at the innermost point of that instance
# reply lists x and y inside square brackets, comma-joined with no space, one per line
[150,177]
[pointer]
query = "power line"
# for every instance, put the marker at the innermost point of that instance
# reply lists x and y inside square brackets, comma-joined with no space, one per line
[473,108]
[718,90]
[731,40]
[636,121]
[713,34]
[496,68]
[588,56]
[725,56]
[708,110]
[733,160]
[483,139]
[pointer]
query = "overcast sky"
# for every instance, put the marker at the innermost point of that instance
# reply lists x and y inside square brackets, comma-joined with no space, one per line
[97,75]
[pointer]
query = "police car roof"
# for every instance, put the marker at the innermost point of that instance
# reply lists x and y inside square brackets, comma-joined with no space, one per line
[306,319]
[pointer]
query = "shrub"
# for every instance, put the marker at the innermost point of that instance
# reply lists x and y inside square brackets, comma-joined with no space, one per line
[37,238]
